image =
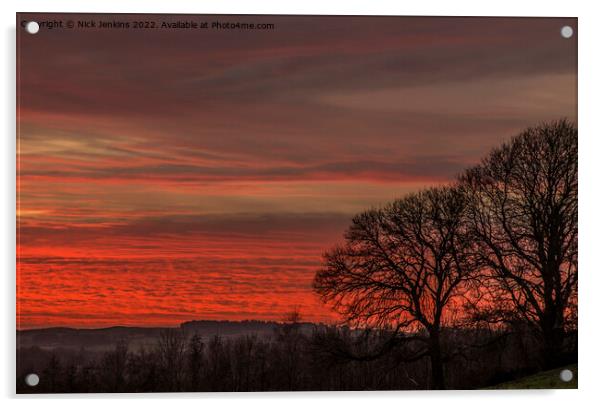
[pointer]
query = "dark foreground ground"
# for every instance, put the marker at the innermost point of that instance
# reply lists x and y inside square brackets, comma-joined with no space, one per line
[549,379]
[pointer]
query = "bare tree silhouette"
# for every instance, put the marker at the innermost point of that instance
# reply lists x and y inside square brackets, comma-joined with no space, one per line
[523,213]
[195,361]
[114,365]
[406,265]
[172,347]
[290,336]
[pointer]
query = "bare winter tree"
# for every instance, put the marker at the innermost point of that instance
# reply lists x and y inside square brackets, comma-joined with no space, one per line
[172,347]
[406,265]
[523,212]
[290,336]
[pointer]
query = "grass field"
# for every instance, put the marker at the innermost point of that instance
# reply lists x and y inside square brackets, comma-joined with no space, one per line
[544,380]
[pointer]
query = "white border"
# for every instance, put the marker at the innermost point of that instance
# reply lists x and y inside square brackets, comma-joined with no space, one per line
[590,67]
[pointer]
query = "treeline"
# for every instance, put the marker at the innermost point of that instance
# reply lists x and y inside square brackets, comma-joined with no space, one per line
[289,360]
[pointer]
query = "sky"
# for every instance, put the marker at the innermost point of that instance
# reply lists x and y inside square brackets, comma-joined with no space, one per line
[166,175]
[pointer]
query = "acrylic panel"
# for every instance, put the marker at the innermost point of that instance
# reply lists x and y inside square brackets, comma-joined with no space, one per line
[241,203]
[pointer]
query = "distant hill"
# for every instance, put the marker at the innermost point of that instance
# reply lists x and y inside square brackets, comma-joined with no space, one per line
[51,338]
[103,338]
[229,328]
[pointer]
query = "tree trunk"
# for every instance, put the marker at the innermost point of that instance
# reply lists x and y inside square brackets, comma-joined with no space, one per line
[553,337]
[437,379]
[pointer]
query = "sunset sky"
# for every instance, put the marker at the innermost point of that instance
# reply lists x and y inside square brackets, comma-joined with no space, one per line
[169,175]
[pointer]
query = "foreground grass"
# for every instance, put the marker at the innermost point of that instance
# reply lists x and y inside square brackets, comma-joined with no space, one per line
[549,379]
